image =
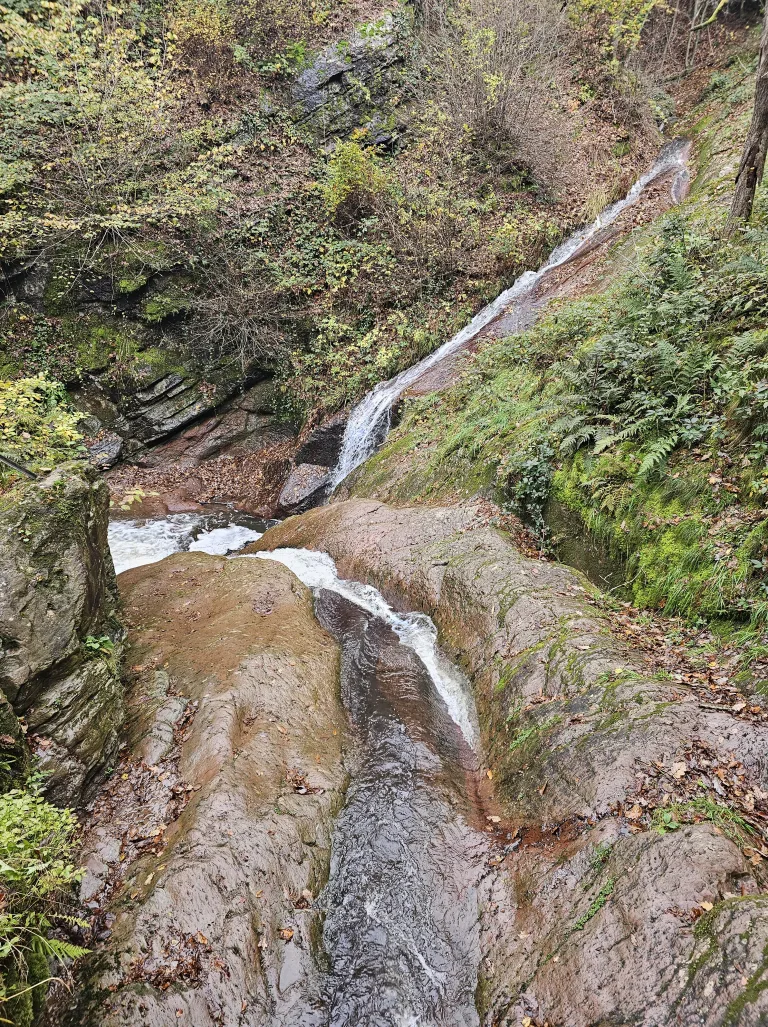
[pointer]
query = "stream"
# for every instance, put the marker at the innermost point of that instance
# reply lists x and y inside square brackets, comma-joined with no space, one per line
[370,420]
[410,848]
[401,909]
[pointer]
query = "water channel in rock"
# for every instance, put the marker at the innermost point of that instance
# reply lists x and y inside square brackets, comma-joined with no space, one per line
[410,847]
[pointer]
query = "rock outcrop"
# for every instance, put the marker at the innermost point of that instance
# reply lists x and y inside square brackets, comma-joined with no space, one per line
[58,631]
[339,90]
[597,917]
[218,824]
[245,423]
[308,482]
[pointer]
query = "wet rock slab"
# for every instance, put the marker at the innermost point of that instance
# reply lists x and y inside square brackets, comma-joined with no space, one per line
[207,849]
[595,918]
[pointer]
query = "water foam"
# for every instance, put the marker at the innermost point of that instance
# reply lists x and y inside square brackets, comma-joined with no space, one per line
[134,543]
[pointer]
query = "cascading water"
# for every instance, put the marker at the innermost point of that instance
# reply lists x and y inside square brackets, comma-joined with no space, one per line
[410,848]
[414,630]
[402,903]
[370,420]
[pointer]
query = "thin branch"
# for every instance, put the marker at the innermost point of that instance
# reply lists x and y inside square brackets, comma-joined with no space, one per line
[711,18]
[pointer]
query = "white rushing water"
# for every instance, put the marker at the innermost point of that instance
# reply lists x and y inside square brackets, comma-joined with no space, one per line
[134,543]
[415,630]
[369,421]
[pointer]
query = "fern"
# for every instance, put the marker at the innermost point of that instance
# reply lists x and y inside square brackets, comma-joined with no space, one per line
[55,948]
[630,432]
[656,456]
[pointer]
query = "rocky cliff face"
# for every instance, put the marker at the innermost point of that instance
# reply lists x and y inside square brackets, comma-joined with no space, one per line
[59,636]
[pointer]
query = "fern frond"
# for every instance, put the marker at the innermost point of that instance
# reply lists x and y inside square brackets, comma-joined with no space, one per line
[657,455]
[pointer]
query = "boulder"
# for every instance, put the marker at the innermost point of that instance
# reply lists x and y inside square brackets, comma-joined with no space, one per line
[60,637]
[214,852]
[305,486]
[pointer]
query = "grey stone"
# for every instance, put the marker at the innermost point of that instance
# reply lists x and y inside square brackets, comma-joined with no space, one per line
[334,92]
[306,485]
[106,451]
[57,587]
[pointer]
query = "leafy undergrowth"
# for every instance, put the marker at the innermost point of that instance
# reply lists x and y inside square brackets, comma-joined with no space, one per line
[38,429]
[37,877]
[642,410]
[160,190]
[697,785]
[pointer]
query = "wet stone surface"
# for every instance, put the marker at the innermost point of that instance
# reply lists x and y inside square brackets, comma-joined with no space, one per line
[401,924]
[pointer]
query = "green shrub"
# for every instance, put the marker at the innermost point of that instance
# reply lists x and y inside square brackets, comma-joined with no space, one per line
[354,181]
[38,428]
[37,875]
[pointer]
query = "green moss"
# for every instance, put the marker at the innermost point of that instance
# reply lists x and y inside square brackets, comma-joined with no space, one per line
[596,905]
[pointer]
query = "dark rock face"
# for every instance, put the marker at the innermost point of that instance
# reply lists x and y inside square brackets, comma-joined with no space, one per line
[592,916]
[57,588]
[179,420]
[333,93]
[323,444]
[236,775]
[106,451]
[170,404]
[244,424]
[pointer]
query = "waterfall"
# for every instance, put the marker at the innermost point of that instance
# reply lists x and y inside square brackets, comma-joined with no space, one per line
[369,421]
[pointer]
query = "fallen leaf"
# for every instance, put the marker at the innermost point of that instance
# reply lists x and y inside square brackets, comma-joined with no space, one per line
[286,933]
[706,906]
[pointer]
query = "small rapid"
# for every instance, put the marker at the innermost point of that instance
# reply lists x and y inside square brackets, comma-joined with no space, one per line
[416,631]
[369,421]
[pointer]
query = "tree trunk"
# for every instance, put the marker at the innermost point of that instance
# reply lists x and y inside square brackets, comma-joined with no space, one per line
[750,172]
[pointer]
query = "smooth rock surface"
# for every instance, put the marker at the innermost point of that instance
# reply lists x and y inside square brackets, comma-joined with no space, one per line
[213,925]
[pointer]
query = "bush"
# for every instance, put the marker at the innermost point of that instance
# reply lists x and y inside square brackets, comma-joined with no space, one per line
[354,182]
[91,139]
[494,66]
[37,875]
[38,428]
